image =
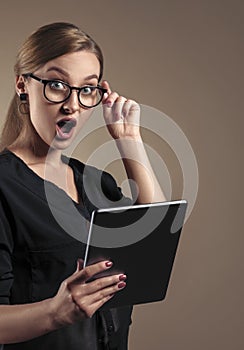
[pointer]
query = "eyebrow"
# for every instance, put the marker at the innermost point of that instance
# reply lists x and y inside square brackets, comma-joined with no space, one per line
[60,70]
[92,76]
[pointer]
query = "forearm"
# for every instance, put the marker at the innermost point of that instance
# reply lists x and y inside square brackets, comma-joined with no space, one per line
[20,323]
[138,169]
[76,299]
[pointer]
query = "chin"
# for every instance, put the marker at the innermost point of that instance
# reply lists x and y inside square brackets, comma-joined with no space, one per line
[61,144]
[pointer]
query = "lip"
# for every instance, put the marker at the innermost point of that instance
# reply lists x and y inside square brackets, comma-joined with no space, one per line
[65,133]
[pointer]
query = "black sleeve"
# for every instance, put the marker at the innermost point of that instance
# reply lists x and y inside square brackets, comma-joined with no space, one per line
[98,188]
[6,249]
[111,189]
[103,191]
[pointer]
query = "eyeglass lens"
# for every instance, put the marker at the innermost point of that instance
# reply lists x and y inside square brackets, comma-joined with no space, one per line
[89,96]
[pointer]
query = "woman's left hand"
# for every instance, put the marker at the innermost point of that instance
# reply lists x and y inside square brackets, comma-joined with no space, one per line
[122,116]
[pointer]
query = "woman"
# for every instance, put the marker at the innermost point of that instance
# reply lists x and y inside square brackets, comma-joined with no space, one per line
[45,301]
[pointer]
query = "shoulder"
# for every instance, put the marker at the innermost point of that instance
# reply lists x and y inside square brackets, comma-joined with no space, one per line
[99,185]
[90,171]
[7,162]
[5,156]
[13,172]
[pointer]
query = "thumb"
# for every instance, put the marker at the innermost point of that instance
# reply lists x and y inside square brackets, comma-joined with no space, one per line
[79,265]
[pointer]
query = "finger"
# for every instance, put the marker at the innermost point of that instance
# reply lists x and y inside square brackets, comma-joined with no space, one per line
[131,112]
[89,271]
[90,310]
[79,265]
[93,301]
[106,86]
[107,292]
[104,282]
[118,108]
[126,108]
[101,302]
[111,99]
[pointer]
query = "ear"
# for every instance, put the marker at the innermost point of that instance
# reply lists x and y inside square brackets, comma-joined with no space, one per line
[20,84]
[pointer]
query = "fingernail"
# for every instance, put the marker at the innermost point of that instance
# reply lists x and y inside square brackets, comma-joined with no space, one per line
[121,285]
[122,277]
[108,263]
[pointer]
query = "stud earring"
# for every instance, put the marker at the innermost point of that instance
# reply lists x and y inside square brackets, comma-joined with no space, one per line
[23,97]
[23,106]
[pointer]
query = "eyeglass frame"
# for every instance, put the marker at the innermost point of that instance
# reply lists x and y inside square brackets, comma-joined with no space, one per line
[71,88]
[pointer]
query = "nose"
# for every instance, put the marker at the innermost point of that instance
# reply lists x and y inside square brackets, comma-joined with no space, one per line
[72,104]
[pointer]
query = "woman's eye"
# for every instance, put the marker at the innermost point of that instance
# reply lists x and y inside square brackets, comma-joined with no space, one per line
[88,90]
[57,85]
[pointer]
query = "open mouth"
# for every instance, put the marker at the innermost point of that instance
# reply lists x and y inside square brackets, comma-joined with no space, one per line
[64,127]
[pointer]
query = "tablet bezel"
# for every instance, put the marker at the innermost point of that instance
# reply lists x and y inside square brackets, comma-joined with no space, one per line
[118,301]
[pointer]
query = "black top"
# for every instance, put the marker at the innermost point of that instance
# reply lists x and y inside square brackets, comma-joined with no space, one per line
[42,234]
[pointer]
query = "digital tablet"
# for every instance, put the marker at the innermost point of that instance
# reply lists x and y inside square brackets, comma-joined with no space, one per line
[141,241]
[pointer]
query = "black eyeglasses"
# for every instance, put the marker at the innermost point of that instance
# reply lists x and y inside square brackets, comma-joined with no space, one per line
[56,91]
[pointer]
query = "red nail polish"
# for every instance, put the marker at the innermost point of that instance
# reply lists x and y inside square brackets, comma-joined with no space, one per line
[121,285]
[108,263]
[122,277]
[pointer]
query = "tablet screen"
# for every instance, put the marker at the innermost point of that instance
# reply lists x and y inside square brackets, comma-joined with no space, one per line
[142,241]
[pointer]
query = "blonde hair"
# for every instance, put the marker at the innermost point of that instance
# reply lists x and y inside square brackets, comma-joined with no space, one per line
[46,43]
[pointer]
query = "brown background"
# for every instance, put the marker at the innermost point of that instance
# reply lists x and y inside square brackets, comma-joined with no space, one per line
[184,58]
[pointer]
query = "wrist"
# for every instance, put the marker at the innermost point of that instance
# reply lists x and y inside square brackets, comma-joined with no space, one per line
[53,319]
[129,138]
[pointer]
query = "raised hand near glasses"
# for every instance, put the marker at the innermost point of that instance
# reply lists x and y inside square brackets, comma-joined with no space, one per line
[122,116]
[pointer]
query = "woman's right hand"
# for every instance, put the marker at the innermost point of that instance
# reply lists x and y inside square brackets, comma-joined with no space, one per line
[76,299]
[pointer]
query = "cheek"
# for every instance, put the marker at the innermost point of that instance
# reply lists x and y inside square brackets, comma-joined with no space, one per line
[83,117]
[42,118]
[36,107]
[39,115]
[40,110]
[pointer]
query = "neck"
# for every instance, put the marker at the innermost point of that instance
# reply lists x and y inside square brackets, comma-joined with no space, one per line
[37,155]
[33,150]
